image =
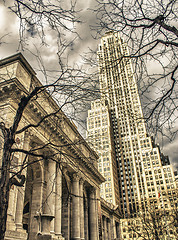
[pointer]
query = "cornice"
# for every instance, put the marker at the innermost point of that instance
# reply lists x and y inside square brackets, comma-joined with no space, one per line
[109,208]
[12,86]
[17,57]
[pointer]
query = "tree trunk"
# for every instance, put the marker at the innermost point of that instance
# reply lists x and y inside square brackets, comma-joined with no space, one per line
[155,229]
[4,198]
[5,185]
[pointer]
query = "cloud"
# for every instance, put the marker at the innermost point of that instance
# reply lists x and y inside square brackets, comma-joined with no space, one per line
[9,32]
[9,26]
[170,149]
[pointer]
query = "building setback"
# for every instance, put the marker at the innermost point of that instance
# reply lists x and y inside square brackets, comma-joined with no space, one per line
[143,173]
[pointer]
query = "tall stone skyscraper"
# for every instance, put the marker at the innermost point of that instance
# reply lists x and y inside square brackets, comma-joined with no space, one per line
[142,173]
[100,137]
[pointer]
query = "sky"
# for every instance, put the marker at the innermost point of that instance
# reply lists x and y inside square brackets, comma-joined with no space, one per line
[9,26]
[81,43]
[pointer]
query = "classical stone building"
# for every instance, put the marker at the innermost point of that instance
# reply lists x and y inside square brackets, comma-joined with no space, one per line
[110,215]
[61,196]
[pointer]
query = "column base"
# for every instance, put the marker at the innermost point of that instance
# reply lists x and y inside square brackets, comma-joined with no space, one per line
[19,227]
[14,235]
[58,237]
[44,237]
[10,224]
[46,224]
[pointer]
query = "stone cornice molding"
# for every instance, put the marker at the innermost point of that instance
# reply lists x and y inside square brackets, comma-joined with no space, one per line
[11,89]
[17,57]
[110,209]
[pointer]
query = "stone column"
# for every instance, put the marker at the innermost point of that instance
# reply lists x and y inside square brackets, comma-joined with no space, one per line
[105,229]
[75,207]
[10,223]
[117,229]
[113,228]
[21,190]
[86,218]
[109,229]
[49,202]
[93,215]
[36,208]
[103,232]
[58,202]
[82,230]
[19,208]
[66,204]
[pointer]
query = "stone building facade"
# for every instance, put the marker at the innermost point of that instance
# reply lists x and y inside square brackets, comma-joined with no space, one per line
[61,196]
[110,218]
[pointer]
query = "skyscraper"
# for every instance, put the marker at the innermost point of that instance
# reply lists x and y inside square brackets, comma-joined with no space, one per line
[141,173]
[100,137]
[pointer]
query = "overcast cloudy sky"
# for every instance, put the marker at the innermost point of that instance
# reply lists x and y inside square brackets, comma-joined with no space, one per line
[9,26]
[9,44]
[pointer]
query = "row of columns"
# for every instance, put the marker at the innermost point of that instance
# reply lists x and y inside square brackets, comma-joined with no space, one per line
[21,190]
[81,216]
[50,219]
[53,206]
[78,215]
[110,229]
[106,228]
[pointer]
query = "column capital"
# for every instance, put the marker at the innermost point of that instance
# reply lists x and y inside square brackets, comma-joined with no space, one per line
[75,206]
[64,169]
[82,181]
[76,177]
[92,190]
[28,133]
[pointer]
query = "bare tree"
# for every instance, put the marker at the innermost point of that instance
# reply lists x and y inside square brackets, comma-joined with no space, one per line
[37,18]
[156,223]
[69,86]
[149,28]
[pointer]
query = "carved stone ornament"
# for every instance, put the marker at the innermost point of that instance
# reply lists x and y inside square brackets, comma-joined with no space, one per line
[75,177]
